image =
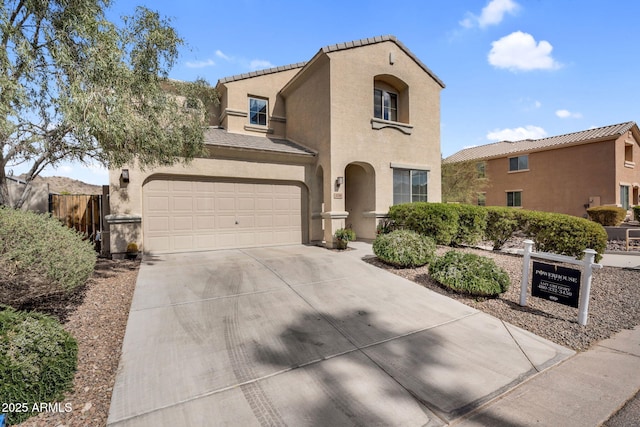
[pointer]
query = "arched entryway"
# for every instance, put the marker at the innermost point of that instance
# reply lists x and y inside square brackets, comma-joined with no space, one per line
[360,199]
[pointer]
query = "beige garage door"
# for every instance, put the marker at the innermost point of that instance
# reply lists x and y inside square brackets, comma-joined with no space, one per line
[183,215]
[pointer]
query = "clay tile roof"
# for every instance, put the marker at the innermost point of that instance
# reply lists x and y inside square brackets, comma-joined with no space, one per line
[504,148]
[261,72]
[220,137]
[380,39]
[334,48]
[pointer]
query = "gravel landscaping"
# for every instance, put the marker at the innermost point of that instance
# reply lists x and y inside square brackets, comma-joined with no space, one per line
[614,304]
[96,315]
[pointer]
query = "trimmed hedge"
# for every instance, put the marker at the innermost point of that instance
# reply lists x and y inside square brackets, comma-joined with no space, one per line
[457,224]
[470,274]
[607,215]
[39,256]
[38,360]
[502,223]
[404,248]
[436,220]
[564,234]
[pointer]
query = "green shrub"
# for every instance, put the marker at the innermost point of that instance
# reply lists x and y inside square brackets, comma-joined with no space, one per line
[564,234]
[636,213]
[39,256]
[472,222]
[435,220]
[501,224]
[607,215]
[470,274]
[404,248]
[37,360]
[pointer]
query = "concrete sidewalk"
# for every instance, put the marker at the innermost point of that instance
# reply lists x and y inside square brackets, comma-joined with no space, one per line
[584,390]
[301,335]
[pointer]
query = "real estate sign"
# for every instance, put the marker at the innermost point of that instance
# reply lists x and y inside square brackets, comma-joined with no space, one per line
[556,283]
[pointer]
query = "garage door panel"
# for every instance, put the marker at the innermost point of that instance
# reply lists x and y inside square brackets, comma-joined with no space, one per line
[181,215]
[186,186]
[225,204]
[158,223]
[182,223]
[183,242]
[159,203]
[205,222]
[204,204]
[225,187]
[246,204]
[182,203]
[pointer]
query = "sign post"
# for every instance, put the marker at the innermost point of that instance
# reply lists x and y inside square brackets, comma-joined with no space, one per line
[559,284]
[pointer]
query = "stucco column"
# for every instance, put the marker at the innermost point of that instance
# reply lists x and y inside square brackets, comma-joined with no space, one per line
[334,215]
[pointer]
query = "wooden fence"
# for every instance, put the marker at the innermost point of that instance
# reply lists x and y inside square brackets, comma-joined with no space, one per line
[80,211]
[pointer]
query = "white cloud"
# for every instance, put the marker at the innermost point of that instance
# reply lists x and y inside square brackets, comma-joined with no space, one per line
[517,134]
[220,54]
[492,14]
[200,64]
[259,64]
[520,51]
[566,114]
[537,104]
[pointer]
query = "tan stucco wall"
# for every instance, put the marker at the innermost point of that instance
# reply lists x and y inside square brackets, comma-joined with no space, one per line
[330,109]
[236,98]
[561,180]
[352,137]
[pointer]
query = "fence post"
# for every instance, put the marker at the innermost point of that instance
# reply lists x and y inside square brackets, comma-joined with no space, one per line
[587,270]
[528,244]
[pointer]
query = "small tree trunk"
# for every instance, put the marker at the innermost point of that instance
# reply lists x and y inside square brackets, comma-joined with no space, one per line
[4,189]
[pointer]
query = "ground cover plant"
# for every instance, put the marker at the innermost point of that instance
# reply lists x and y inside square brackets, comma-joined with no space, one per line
[40,257]
[404,248]
[469,273]
[37,361]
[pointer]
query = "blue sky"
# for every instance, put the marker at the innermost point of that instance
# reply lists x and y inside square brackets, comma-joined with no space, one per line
[514,69]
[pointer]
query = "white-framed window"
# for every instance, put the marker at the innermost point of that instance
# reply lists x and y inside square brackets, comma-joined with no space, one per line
[519,163]
[624,196]
[409,186]
[385,105]
[258,110]
[481,167]
[514,198]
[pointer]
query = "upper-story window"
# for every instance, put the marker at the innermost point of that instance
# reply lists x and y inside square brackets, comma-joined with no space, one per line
[518,163]
[258,109]
[385,105]
[481,167]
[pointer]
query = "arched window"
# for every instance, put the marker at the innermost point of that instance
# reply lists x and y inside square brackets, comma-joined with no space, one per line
[390,99]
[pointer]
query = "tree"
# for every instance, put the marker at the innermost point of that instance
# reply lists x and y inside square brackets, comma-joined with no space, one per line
[462,181]
[75,86]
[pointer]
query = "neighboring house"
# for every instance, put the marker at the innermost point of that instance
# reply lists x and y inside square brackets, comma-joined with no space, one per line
[37,199]
[566,173]
[297,152]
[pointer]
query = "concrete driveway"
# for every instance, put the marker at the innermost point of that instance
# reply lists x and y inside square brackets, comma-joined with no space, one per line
[299,335]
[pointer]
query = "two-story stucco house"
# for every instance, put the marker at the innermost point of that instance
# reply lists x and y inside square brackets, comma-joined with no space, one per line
[566,173]
[297,152]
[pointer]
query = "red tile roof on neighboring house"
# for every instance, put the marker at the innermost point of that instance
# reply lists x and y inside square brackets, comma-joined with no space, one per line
[504,148]
[220,137]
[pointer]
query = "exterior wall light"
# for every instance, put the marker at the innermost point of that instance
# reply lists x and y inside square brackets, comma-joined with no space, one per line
[339,181]
[125,175]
